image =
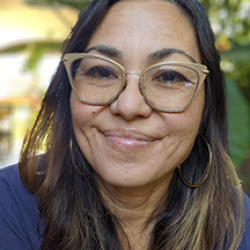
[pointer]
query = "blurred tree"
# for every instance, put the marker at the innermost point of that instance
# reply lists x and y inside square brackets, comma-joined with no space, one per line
[78,4]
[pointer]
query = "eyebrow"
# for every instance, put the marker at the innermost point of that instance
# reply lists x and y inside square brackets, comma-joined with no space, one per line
[157,55]
[160,54]
[105,50]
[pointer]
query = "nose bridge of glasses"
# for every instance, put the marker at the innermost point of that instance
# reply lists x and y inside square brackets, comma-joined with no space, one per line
[133,73]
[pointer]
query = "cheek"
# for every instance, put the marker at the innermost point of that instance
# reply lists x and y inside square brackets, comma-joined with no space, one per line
[182,128]
[188,121]
[83,116]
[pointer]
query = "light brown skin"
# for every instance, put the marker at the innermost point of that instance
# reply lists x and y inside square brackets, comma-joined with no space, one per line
[133,148]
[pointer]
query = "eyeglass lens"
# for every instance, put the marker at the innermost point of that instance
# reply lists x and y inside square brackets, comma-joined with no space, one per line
[169,87]
[96,80]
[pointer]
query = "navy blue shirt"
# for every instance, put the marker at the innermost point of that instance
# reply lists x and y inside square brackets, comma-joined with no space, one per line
[19,215]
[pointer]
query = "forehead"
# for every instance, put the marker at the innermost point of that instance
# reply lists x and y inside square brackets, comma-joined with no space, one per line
[138,28]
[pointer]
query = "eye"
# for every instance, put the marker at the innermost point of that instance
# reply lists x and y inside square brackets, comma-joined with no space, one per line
[101,73]
[169,77]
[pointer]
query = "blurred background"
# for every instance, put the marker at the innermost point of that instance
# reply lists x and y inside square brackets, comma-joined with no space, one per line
[32,33]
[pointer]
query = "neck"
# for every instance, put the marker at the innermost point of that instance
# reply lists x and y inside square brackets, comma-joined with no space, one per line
[135,208]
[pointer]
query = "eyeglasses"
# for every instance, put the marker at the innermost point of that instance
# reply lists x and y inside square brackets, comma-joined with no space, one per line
[166,86]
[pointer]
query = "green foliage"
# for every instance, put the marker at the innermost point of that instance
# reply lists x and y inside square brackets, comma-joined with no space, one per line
[238,124]
[35,50]
[230,19]
[238,54]
[238,95]
[77,4]
[238,60]
[46,46]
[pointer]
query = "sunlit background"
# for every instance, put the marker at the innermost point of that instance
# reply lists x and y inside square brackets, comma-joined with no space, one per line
[23,79]
[31,37]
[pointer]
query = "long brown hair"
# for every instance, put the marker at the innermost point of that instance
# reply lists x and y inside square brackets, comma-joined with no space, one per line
[71,209]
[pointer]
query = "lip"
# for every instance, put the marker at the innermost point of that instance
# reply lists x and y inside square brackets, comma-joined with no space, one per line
[127,139]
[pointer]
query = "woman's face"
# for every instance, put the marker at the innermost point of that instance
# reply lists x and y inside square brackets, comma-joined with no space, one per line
[128,143]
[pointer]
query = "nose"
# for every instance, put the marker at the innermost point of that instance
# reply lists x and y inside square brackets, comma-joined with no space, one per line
[131,103]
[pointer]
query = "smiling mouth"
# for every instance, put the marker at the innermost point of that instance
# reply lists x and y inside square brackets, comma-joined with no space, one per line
[123,140]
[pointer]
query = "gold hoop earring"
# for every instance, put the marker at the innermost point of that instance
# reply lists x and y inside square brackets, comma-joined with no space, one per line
[209,166]
[72,157]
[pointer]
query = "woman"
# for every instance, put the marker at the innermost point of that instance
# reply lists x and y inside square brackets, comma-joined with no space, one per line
[133,132]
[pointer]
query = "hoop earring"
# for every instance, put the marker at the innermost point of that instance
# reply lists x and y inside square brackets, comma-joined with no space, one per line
[209,166]
[72,157]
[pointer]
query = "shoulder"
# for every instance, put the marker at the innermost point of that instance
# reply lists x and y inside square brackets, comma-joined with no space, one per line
[19,215]
[245,244]
[12,188]
[247,206]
